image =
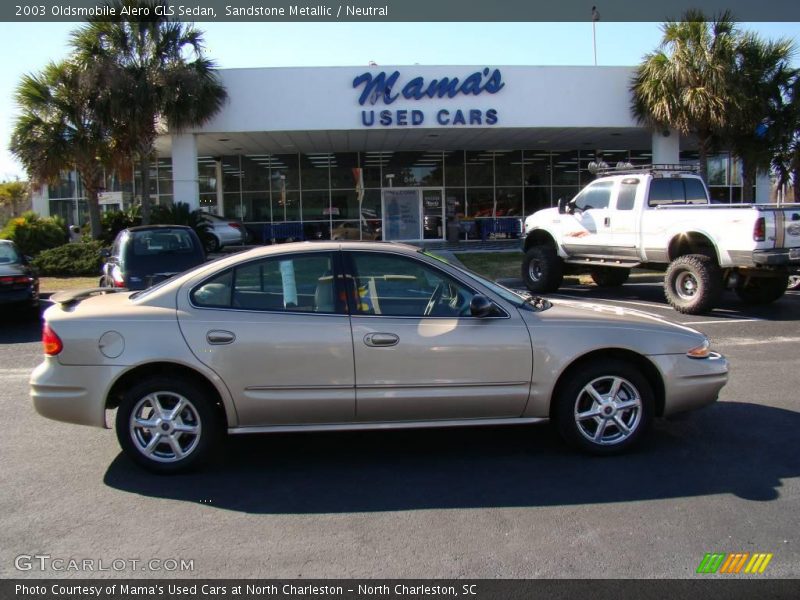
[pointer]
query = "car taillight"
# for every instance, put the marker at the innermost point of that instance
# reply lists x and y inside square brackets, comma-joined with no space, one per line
[51,342]
[236,225]
[760,230]
[16,280]
[116,276]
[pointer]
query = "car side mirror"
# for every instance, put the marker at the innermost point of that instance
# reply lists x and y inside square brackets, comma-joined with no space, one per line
[27,259]
[105,253]
[480,306]
[571,207]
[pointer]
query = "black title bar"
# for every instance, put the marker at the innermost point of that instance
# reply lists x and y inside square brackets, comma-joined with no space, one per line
[414,10]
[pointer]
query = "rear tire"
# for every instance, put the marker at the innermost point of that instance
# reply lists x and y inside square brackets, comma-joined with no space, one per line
[167,425]
[212,243]
[604,407]
[762,290]
[693,284]
[542,269]
[610,276]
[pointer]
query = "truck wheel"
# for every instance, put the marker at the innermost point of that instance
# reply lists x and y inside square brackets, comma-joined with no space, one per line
[542,269]
[762,290]
[610,276]
[794,282]
[693,284]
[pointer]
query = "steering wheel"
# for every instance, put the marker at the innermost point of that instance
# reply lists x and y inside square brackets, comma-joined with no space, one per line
[438,292]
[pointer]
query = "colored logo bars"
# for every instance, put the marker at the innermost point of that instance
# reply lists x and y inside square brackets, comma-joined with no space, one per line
[734,563]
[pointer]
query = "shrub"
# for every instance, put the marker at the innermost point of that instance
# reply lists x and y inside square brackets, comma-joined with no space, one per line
[70,260]
[115,221]
[32,234]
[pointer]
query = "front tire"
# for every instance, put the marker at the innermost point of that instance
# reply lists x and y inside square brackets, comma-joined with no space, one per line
[604,407]
[610,276]
[693,284]
[762,290]
[542,269]
[167,425]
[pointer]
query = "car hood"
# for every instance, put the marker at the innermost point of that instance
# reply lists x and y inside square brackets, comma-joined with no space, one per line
[607,326]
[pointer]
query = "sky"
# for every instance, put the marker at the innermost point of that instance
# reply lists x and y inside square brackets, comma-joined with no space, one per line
[28,47]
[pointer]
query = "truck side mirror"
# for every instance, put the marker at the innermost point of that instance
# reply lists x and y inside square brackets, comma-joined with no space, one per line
[562,206]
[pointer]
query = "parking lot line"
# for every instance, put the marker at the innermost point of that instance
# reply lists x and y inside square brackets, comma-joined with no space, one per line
[725,320]
[757,341]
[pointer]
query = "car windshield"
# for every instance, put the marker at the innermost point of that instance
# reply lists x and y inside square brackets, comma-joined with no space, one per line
[8,254]
[519,300]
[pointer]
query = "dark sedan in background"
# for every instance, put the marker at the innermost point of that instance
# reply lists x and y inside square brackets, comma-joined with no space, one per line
[19,285]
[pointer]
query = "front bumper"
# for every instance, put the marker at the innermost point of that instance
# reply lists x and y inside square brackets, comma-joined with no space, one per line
[73,394]
[690,383]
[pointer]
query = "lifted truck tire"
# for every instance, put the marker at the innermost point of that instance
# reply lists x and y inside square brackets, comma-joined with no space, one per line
[693,284]
[762,290]
[542,269]
[610,276]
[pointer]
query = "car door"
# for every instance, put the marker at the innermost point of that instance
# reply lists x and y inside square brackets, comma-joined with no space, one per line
[420,355]
[586,234]
[623,219]
[276,331]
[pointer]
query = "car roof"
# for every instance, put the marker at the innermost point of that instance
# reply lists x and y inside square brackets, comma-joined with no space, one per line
[155,227]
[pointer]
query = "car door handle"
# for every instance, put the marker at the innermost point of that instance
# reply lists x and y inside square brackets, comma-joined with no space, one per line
[218,337]
[381,339]
[607,221]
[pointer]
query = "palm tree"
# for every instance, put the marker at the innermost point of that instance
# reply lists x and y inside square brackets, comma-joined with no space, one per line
[59,130]
[786,161]
[155,75]
[13,194]
[685,83]
[760,84]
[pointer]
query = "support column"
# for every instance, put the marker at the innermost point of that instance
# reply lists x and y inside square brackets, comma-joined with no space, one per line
[40,201]
[185,186]
[220,190]
[763,189]
[666,147]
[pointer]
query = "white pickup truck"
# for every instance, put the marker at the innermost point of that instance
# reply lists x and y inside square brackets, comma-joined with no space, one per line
[660,217]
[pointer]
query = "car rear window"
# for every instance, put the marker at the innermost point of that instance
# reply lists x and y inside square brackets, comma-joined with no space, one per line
[171,241]
[665,191]
[8,254]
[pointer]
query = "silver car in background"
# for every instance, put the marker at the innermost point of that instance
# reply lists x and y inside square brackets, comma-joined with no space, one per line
[224,232]
[356,335]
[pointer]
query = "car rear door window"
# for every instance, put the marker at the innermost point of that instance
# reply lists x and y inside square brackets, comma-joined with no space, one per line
[296,283]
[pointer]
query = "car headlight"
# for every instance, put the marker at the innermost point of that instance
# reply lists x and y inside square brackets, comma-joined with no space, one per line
[701,351]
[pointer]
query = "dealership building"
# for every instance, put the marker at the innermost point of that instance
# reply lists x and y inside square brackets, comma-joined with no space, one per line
[400,152]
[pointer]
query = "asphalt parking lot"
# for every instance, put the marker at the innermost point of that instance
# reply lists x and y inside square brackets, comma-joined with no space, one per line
[507,502]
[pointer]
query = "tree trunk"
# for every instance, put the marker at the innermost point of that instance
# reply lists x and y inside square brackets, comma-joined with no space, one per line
[144,171]
[702,151]
[748,181]
[94,211]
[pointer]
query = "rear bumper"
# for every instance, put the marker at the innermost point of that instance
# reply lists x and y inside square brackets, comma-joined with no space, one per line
[777,257]
[690,383]
[73,394]
[29,295]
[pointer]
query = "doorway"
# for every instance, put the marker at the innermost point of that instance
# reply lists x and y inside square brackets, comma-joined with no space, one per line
[412,214]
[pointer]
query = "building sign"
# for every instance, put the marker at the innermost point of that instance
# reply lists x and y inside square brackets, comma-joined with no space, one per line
[386,88]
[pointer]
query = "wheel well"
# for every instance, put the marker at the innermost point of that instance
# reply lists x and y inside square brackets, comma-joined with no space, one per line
[165,369]
[539,237]
[691,243]
[647,369]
